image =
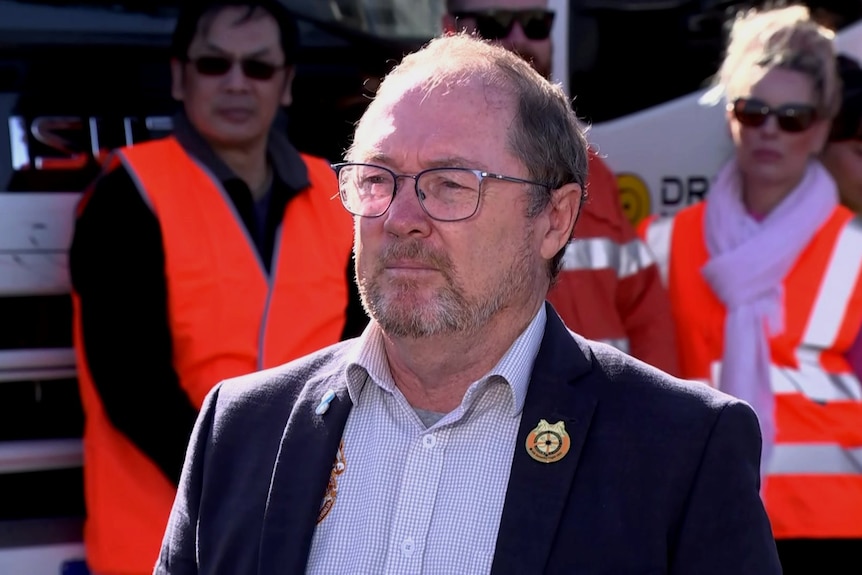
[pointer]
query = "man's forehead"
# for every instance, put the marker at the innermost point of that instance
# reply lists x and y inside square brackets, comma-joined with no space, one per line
[257,30]
[231,18]
[442,87]
[417,114]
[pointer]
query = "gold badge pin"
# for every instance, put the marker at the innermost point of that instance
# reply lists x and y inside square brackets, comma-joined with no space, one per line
[548,443]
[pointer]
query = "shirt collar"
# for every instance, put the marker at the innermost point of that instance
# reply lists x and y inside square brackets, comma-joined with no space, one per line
[285,158]
[368,361]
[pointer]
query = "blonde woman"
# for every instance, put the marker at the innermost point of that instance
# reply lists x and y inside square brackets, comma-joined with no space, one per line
[764,279]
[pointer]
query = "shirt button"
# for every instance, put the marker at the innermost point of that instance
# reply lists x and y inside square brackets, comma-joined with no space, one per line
[429,441]
[407,547]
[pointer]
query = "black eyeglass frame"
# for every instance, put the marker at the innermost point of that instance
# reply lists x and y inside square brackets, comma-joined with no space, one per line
[480,174]
[791,118]
[252,68]
[537,23]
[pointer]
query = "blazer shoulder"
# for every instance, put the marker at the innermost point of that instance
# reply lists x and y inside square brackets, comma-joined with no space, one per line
[279,387]
[629,378]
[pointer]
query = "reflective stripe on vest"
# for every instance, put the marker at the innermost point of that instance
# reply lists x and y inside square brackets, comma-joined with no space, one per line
[603,253]
[809,380]
[836,288]
[815,458]
[658,235]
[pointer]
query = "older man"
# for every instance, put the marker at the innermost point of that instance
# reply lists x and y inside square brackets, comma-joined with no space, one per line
[467,430]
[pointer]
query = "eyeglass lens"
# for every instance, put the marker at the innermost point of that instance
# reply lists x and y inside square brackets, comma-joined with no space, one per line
[446,194]
[791,117]
[498,24]
[219,66]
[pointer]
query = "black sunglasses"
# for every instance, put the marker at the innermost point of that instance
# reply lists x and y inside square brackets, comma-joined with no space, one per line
[753,113]
[220,65]
[497,24]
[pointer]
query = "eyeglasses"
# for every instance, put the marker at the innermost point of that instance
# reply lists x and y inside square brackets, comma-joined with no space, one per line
[792,118]
[497,24]
[220,65]
[445,194]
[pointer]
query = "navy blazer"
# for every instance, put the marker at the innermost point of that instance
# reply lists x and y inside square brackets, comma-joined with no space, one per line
[662,475]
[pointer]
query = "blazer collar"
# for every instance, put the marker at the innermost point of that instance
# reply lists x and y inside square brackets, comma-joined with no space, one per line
[559,391]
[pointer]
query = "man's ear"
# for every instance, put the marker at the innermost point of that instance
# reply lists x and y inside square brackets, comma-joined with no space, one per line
[177,89]
[287,94]
[562,214]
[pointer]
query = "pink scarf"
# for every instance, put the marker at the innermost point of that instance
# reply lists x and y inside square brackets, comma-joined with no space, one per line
[748,263]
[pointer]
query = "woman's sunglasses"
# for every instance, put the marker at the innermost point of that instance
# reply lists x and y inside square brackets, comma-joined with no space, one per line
[793,118]
[497,24]
[220,65]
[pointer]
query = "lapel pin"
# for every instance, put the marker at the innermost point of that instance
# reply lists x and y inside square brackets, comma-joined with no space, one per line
[548,443]
[332,488]
[323,406]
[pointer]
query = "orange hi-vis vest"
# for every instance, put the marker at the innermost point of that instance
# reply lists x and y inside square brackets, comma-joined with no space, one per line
[813,486]
[227,318]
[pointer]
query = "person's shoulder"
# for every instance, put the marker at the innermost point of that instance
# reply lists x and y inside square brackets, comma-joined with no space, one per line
[145,149]
[691,210]
[321,176]
[113,194]
[848,218]
[283,384]
[629,379]
[319,169]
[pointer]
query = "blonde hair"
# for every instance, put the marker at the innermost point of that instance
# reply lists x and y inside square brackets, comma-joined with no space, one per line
[788,38]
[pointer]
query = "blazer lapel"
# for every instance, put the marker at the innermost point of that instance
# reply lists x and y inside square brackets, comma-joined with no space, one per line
[300,476]
[537,491]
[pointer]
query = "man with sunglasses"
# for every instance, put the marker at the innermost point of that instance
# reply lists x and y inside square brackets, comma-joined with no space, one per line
[610,288]
[523,26]
[211,253]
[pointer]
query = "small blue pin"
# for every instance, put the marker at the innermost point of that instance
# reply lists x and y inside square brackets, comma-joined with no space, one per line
[323,406]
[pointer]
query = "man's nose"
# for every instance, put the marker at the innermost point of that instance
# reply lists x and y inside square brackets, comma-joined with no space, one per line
[405,215]
[516,34]
[235,78]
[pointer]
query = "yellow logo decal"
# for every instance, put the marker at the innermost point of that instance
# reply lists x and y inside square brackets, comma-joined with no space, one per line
[635,197]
